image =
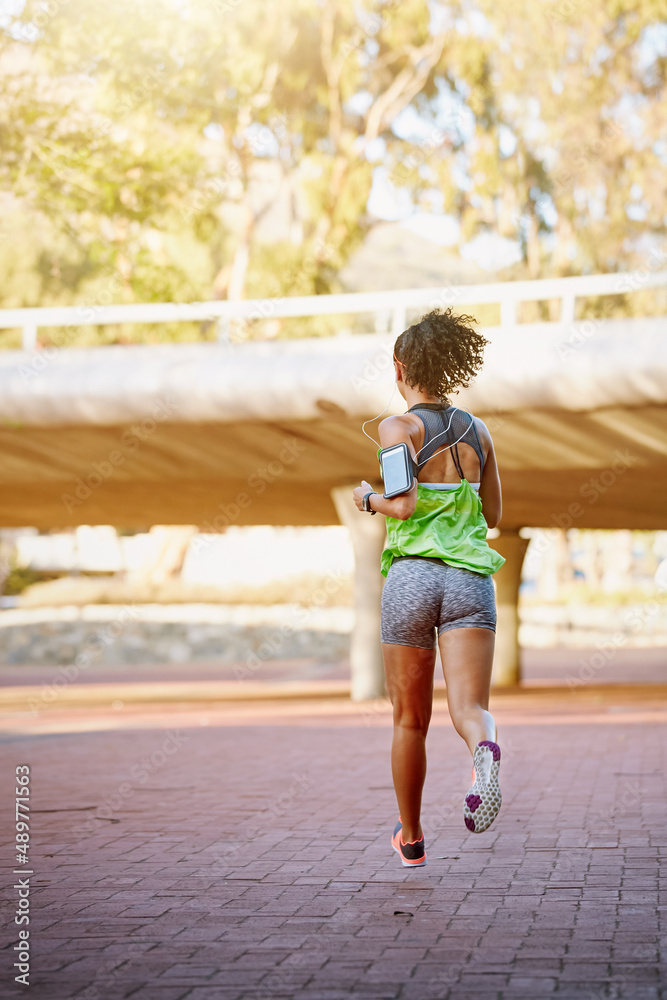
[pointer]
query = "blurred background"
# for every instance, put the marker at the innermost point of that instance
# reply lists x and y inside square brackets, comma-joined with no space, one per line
[252,151]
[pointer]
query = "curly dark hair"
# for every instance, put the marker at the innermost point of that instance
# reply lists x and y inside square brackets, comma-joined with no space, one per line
[440,353]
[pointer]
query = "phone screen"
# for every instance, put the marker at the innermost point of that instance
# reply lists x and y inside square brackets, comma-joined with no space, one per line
[395,471]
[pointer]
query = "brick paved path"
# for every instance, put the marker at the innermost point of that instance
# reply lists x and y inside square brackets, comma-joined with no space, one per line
[242,851]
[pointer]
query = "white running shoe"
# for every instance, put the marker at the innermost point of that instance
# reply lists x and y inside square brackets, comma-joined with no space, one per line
[484,799]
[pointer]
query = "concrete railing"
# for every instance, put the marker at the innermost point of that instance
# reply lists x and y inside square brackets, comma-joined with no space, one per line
[390,308]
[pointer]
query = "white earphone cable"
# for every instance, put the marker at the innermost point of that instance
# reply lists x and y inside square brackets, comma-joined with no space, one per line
[378,415]
[472,420]
[439,434]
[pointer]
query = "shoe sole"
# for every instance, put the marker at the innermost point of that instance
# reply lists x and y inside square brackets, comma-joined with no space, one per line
[483,801]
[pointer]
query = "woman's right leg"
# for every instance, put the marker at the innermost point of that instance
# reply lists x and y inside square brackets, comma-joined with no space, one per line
[467,659]
[466,637]
[466,641]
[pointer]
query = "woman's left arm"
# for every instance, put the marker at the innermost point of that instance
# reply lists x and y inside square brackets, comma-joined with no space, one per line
[392,431]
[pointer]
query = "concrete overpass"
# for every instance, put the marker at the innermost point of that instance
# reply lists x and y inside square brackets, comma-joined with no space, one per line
[253,432]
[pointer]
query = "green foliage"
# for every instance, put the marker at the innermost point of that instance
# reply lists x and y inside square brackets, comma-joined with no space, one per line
[163,151]
[20,578]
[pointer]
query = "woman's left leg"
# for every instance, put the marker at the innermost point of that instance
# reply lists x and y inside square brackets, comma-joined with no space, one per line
[409,674]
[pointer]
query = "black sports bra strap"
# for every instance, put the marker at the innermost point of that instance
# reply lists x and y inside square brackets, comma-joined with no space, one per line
[442,422]
[480,453]
[457,460]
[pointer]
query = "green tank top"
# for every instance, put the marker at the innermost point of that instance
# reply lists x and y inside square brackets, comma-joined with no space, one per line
[447,525]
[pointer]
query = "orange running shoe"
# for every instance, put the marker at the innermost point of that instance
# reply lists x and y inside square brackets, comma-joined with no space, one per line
[412,855]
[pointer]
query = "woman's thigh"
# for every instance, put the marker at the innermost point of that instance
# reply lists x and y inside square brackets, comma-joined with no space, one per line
[467,660]
[411,602]
[466,637]
[409,674]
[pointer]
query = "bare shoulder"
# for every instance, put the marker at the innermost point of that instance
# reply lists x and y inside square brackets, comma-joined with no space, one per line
[482,430]
[396,428]
[485,437]
[397,420]
[402,421]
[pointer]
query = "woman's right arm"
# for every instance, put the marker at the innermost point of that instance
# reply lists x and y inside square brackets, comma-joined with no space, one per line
[489,489]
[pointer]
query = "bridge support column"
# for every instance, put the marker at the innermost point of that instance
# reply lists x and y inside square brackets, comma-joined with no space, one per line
[506,658]
[367,534]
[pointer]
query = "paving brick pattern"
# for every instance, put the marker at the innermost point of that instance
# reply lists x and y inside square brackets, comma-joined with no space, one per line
[243,854]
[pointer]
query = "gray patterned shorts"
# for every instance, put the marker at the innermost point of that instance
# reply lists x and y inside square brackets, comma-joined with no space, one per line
[421,595]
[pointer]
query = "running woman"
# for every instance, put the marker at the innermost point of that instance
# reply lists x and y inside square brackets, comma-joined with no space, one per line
[438,567]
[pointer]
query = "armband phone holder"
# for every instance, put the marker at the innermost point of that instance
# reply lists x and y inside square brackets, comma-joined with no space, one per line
[398,469]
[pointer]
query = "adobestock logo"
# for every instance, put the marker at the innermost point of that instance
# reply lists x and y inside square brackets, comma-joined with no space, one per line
[131,439]
[595,487]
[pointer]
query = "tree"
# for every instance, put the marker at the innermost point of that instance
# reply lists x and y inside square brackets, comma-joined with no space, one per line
[161,141]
